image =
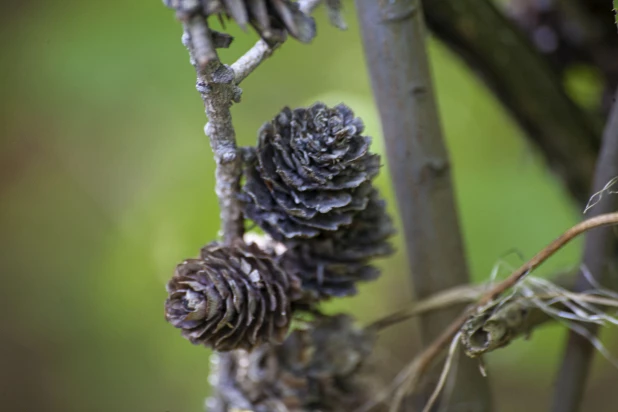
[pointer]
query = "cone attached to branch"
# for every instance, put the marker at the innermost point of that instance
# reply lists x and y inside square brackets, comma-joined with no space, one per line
[311,172]
[232,297]
[322,368]
[331,264]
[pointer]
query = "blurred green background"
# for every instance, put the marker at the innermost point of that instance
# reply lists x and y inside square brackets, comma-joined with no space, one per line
[106,183]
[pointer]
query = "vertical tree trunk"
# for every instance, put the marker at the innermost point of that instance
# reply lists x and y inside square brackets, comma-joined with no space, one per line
[394,41]
[600,253]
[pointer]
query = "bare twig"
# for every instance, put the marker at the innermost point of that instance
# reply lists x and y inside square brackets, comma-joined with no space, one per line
[599,256]
[533,302]
[530,292]
[248,62]
[218,86]
[215,83]
[394,37]
[422,362]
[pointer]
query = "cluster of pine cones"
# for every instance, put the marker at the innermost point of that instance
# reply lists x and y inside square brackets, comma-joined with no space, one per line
[308,187]
[324,368]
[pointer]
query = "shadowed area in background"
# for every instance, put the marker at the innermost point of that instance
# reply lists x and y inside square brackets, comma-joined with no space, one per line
[106,182]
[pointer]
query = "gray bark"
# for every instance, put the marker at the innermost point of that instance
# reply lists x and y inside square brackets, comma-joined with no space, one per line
[600,260]
[217,86]
[394,41]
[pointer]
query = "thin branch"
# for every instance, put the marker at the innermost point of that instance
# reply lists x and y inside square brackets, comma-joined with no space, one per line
[525,83]
[215,83]
[599,256]
[533,302]
[248,62]
[511,316]
[424,360]
[218,87]
[561,283]
[394,37]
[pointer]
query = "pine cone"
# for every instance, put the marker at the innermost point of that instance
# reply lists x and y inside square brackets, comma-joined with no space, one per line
[321,369]
[332,264]
[270,18]
[232,297]
[311,172]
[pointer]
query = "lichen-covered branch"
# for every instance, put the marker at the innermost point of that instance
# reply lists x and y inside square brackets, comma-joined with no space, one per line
[217,83]
[217,86]
[600,259]
[394,37]
[525,83]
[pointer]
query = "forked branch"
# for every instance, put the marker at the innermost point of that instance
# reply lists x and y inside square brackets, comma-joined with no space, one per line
[217,84]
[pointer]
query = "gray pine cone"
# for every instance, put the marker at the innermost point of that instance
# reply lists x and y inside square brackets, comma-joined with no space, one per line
[270,18]
[331,264]
[232,297]
[320,369]
[311,172]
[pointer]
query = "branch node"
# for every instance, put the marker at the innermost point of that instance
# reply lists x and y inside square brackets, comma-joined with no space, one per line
[399,11]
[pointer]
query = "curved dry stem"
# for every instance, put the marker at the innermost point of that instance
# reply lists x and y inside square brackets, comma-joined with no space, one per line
[422,362]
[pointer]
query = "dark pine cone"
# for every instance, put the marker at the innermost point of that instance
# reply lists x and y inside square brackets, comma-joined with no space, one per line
[311,172]
[270,18]
[332,264]
[232,297]
[320,369]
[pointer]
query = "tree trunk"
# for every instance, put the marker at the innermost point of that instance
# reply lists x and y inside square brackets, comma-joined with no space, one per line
[394,41]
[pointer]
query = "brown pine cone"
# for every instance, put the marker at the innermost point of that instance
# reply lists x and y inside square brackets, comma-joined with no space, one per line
[333,263]
[311,172]
[232,297]
[323,369]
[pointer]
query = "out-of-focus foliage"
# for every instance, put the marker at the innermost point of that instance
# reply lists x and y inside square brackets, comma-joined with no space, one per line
[107,182]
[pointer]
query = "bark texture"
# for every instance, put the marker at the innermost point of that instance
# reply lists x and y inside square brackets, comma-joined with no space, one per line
[394,41]
[600,259]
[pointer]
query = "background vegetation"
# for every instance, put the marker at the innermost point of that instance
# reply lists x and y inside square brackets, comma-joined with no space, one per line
[106,182]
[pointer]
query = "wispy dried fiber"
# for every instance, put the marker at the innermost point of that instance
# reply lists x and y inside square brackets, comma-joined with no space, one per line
[231,297]
[531,303]
[311,172]
[318,369]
